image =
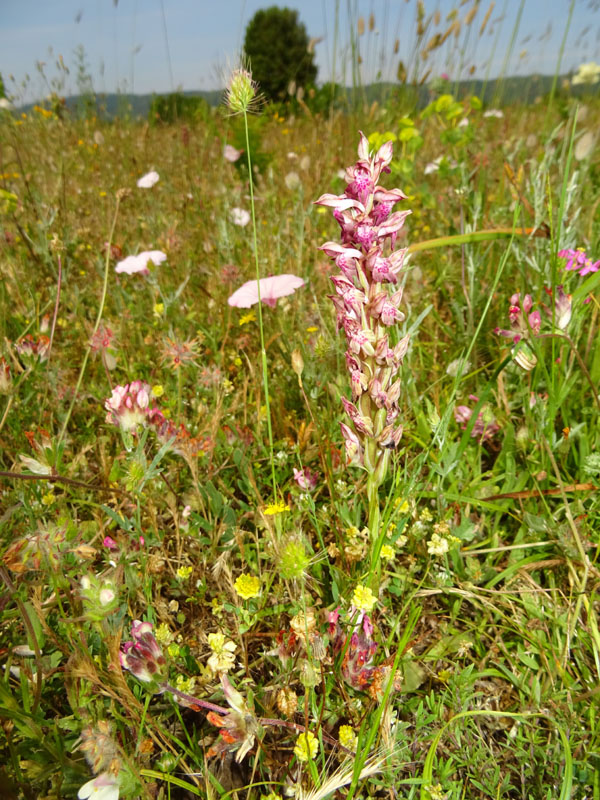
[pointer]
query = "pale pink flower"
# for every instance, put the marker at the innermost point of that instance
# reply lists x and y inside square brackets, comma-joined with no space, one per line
[231,154]
[104,786]
[239,216]
[148,180]
[271,289]
[127,406]
[139,263]
[306,479]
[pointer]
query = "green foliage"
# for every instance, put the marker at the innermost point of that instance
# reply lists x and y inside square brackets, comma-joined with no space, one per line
[177,107]
[494,641]
[276,44]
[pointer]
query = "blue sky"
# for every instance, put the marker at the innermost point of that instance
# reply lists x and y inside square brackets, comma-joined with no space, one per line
[159,45]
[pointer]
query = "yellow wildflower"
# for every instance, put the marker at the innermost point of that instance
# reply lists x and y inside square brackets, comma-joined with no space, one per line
[48,499]
[387,552]
[306,747]
[246,318]
[247,586]
[158,390]
[275,508]
[363,598]
[183,573]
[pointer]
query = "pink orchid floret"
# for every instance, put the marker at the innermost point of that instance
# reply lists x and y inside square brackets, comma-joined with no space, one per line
[578,261]
[127,406]
[367,304]
[143,656]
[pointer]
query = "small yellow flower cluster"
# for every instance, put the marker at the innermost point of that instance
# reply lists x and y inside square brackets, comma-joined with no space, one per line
[306,747]
[185,684]
[163,634]
[347,737]
[441,540]
[363,598]
[183,573]
[247,586]
[387,552]
[222,658]
[275,508]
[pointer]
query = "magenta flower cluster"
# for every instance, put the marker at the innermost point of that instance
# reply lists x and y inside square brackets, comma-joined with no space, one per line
[143,656]
[485,426]
[523,321]
[367,302]
[357,650]
[526,324]
[578,261]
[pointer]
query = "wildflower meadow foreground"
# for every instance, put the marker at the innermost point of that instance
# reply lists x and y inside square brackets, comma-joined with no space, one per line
[299,453]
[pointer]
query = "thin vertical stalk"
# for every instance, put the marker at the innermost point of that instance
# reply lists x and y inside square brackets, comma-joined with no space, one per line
[96,326]
[561,51]
[263,351]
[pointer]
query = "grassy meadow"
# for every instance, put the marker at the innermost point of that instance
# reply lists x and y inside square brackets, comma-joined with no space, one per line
[219,580]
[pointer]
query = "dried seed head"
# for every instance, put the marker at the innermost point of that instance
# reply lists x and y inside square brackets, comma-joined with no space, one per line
[287,701]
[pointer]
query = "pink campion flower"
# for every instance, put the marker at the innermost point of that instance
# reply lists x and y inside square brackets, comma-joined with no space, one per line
[110,543]
[231,154]
[485,427]
[578,261]
[143,656]
[306,479]
[139,263]
[127,406]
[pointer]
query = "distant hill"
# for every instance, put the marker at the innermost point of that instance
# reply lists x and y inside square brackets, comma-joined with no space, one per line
[515,89]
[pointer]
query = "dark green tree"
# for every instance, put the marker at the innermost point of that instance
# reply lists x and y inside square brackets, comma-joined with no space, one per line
[276,44]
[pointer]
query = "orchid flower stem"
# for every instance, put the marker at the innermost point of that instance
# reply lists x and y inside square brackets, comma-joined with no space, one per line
[260,317]
[96,326]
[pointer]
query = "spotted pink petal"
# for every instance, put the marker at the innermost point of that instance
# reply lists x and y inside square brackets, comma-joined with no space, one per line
[271,289]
